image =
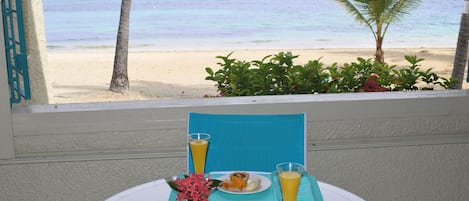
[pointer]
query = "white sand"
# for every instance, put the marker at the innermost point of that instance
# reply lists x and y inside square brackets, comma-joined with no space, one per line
[84,76]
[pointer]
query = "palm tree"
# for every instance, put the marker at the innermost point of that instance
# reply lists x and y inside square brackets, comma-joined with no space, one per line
[460,57]
[378,15]
[120,79]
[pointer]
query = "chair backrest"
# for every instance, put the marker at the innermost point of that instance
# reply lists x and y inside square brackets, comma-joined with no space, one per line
[250,142]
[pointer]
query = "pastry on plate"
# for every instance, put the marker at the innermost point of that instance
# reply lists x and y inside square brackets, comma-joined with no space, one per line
[238,181]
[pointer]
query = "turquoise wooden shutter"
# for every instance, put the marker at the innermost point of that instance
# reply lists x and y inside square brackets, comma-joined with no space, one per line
[15,48]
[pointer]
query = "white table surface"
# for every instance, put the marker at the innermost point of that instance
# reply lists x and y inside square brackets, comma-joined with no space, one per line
[159,191]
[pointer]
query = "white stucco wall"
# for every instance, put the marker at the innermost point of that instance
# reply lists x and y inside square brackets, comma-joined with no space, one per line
[380,146]
[35,36]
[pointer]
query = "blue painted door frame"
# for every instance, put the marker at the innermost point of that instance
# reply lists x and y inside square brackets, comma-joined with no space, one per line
[15,49]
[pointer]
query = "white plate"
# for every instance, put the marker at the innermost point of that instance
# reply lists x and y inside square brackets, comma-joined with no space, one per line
[264,185]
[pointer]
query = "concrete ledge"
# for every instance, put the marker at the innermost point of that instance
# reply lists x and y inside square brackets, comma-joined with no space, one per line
[380,146]
[149,125]
[245,100]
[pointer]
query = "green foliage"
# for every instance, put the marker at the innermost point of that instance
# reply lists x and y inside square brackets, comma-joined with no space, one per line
[277,75]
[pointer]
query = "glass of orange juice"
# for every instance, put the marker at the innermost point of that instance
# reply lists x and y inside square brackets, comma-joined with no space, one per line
[198,144]
[289,175]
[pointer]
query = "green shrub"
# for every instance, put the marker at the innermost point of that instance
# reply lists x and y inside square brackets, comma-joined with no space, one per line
[278,75]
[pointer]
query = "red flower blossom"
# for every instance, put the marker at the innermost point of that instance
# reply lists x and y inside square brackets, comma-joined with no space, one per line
[194,187]
[372,85]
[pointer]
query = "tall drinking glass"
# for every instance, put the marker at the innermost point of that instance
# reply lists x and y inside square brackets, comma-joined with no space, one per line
[289,175]
[198,143]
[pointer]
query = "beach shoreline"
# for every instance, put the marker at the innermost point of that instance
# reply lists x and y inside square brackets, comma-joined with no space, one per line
[84,75]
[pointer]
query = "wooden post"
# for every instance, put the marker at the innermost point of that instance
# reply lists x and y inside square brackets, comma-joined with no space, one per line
[6,130]
[460,58]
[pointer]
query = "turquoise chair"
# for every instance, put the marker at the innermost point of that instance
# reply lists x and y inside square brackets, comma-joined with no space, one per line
[250,142]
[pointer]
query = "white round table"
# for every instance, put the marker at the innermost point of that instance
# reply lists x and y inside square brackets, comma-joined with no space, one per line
[159,191]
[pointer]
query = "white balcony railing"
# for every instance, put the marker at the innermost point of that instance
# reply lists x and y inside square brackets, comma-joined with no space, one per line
[381,146]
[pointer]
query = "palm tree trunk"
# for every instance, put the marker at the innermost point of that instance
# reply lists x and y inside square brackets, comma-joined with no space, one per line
[379,55]
[460,58]
[120,80]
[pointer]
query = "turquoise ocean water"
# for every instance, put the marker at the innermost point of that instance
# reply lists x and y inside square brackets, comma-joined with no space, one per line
[241,24]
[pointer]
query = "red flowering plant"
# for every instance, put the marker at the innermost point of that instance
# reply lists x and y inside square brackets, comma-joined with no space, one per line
[193,187]
[372,85]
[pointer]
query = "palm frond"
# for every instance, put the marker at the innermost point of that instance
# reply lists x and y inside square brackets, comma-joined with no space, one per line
[357,10]
[399,9]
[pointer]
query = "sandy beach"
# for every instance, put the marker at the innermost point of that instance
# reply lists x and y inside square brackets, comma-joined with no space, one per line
[84,76]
